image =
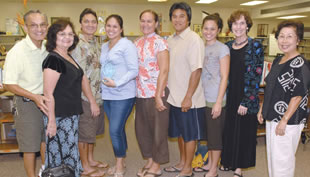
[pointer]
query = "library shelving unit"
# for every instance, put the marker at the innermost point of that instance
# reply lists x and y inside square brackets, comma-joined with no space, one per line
[9,40]
[304,48]
[8,143]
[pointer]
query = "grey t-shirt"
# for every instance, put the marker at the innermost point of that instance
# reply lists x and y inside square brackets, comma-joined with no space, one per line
[211,75]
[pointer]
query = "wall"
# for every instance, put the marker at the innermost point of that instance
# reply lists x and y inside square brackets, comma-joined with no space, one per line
[129,12]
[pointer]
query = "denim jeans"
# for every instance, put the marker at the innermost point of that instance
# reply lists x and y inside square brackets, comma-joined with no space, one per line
[118,112]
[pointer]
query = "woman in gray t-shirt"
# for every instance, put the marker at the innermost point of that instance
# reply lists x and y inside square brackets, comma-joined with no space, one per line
[214,79]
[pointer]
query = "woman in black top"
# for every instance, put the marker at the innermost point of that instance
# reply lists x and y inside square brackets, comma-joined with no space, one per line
[285,101]
[63,83]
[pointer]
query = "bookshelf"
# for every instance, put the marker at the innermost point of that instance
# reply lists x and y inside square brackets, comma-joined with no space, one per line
[9,40]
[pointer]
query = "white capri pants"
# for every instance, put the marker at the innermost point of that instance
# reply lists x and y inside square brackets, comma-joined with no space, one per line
[281,149]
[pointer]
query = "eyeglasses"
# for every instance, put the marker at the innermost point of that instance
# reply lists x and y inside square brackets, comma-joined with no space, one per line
[36,26]
[63,34]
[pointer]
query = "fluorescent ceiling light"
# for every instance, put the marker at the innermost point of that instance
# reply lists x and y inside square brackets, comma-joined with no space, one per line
[291,17]
[157,0]
[205,1]
[253,3]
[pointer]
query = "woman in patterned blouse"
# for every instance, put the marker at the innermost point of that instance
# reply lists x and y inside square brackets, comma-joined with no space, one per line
[152,115]
[285,101]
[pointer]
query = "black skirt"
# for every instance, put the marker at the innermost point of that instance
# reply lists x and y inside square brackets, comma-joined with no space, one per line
[239,137]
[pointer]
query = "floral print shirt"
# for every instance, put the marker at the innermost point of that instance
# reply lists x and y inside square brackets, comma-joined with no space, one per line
[87,54]
[148,47]
[254,60]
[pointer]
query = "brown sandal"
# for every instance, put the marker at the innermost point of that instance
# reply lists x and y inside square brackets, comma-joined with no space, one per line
[141,171]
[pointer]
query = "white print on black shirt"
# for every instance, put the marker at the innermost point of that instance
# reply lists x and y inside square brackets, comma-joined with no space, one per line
[297,62]
[287,80]
[304,102]
[280,107]
[277,119]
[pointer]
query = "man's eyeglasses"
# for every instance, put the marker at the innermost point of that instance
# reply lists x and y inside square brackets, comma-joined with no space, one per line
[36,26]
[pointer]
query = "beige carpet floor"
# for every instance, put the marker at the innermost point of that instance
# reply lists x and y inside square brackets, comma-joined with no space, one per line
[11,165]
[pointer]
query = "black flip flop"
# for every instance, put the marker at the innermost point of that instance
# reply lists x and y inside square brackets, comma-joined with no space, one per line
[142,171]
[186,175]
[199,170]
[172,169]
[239,175]
[152,174]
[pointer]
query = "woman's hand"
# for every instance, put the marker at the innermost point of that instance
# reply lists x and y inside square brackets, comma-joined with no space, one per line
[159,104]
[260,117]
[95,110]
[280,129]
[108,82]
[242,110]
[216,110]
[51,129]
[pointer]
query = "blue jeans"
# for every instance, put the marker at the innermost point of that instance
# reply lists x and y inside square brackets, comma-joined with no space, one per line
[118,112]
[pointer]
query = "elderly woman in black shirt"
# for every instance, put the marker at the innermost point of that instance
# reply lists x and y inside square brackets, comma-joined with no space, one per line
[63,83]
[285,101]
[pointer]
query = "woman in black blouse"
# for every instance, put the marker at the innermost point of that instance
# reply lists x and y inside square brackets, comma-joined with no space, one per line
[285,101]
[63,82]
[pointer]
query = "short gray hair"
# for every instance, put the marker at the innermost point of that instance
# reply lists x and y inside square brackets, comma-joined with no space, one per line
[34,12]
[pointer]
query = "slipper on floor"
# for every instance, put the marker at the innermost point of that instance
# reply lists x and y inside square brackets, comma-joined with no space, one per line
[111,171]
[141,171]
[211,176]
[87,174]
[200,169]
[98,173]
[172,169]
[100,165]
[239,175]
[93,173]
[147,173]
[191,175]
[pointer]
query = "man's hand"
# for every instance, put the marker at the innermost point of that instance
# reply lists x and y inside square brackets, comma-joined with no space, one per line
[95,110]
[186,104]
[40,101]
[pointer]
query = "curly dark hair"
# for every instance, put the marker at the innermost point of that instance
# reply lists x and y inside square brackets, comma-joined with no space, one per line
[216,18]
[236,16]
[297,25]
[88,11]
[55,28]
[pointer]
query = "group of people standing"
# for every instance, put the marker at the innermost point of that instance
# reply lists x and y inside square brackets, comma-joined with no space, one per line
[179,88]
